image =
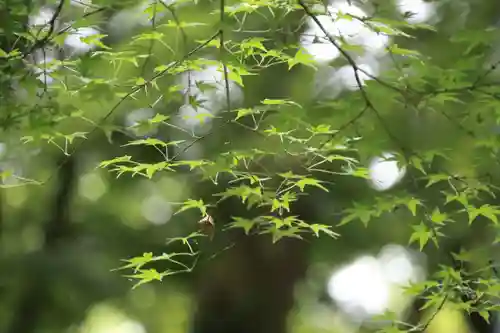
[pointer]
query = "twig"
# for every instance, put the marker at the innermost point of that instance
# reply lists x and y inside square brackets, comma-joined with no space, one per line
[172,11]
[48,38]
[151,42]
[341,128]
[349,59]
[485,74]
[223,55]
[424,327]
[52,24]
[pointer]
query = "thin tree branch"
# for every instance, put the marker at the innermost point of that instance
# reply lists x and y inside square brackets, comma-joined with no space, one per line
[151,42]
[184,36]
[223,54]
[52,25]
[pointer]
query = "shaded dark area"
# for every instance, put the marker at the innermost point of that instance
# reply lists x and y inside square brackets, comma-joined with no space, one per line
[36,295]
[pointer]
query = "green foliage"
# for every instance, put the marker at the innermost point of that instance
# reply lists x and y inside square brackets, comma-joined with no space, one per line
[275,151]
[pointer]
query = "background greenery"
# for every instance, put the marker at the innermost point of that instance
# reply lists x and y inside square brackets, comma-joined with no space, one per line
[66,223]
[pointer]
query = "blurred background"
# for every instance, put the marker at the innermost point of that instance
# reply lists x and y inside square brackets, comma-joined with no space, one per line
[60,241]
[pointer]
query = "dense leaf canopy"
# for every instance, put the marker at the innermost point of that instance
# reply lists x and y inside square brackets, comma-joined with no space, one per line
[353,123]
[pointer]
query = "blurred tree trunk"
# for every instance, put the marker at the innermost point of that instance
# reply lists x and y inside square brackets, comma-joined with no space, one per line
[250,287]
[34,298]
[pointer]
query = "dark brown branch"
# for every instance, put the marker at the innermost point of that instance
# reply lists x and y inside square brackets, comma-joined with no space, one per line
[40,43]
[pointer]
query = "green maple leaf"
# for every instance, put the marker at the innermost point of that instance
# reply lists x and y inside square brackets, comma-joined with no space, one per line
[438,217]
[360,212]
[488,211]
[311,182]
[145,276]
[189,204]
[317,228]
[422,234]
[412,205]
[245,224]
